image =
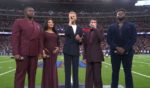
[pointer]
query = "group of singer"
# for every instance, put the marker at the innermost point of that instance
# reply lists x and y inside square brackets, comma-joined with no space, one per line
[31,41]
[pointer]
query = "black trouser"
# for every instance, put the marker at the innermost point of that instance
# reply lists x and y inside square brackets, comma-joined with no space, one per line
[126,61]
[71,61]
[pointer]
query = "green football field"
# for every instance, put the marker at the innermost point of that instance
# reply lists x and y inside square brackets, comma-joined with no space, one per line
[140,70]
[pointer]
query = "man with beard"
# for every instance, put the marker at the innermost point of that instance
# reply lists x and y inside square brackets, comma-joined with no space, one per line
[93,55]
[121,37]
[26,46]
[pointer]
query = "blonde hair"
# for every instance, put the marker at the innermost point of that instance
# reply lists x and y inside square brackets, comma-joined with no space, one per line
[72,12]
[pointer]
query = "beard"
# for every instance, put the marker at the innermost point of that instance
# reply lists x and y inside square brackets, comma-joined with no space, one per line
[121,18]
[30,17]
[74,22]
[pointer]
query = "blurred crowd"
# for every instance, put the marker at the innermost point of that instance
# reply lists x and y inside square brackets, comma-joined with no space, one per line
[142,45]
[141,19]
[5,46]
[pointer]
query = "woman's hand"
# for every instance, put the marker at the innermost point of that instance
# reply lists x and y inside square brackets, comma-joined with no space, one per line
[56,50]
[45,55]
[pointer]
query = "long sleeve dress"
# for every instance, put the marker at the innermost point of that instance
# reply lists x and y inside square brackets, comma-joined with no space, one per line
[50,77]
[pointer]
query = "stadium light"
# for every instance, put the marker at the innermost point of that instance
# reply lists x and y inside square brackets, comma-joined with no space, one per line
[142,2]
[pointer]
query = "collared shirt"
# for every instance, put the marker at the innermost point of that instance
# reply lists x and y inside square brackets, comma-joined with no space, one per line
[74,28]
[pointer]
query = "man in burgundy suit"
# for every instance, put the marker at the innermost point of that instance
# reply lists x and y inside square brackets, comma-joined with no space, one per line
[93,55]
[26,46]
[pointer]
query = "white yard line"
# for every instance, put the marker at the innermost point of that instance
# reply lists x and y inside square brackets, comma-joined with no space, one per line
[5,56]
[107,63]
[145,59]
[141,62]
[146,76]
[11,70]
[7,72]
[6,61]
[141,74]
[13,60]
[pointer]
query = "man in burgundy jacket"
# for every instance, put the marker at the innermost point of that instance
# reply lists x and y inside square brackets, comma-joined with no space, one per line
[26,46]
[93,55]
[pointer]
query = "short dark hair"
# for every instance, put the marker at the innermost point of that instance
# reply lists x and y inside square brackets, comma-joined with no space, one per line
[122,9]
[72,12]
[27,8]
[93,19]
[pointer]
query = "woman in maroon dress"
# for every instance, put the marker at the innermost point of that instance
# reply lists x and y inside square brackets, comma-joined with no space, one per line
[50,52]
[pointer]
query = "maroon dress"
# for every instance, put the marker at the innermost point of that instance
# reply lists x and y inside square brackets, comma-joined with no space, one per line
[50,77]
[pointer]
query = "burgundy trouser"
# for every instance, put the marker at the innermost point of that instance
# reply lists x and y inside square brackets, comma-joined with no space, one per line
[50,77]
[27,65]
[93,75]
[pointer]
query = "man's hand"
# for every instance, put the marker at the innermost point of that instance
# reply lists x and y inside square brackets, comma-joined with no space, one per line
[17,57]
[78,38]
[84,61]
[44,55]
[120,50]
[71,20]
[40,56]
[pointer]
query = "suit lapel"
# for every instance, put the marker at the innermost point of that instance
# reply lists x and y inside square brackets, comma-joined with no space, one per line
[124,27]
[36,31]
[116,30]
[71,30]
[77,30]
[120,31]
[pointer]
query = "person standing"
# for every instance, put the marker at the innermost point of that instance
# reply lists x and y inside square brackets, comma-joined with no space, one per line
[121,37]
[93,55]
[73,38]
[27,46]
[50,52]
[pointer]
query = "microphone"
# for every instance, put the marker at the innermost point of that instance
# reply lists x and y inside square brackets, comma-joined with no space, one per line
[21,58]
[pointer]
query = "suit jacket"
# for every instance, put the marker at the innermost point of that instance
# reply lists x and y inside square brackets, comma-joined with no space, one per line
[26,38]
[71,45]
[92,51]
[124,37]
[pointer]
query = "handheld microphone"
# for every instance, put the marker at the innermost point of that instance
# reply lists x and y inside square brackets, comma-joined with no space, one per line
[21,58]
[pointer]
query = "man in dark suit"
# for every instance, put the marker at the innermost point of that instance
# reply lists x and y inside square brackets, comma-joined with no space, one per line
[93,55]
[26,46]
[73,38]
[121,37]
